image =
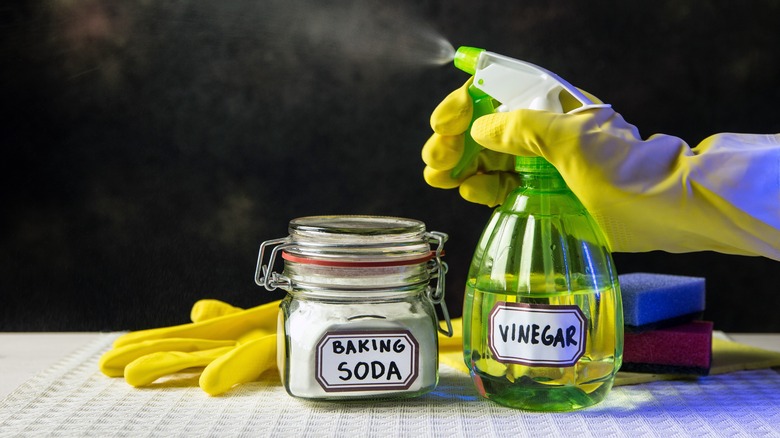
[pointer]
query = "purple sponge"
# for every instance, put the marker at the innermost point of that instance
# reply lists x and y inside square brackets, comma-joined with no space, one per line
[652,301]
[685,349]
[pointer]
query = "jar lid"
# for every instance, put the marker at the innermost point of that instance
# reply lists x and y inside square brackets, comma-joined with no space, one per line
[358,240]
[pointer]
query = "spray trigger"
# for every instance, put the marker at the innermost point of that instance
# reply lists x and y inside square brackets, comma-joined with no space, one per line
[514,84]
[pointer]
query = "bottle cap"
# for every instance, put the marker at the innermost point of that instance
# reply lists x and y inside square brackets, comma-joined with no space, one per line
[466,58]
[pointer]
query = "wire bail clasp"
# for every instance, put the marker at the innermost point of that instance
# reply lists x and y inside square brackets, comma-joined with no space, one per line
[264,274]
[438,270]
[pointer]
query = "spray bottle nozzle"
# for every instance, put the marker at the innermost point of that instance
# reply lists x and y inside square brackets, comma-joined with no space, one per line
[466,59]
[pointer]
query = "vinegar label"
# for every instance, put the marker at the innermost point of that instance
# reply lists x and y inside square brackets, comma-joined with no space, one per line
[367,360]
[537,334]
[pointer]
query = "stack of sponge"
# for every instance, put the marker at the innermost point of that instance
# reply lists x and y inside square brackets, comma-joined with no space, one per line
[663,330]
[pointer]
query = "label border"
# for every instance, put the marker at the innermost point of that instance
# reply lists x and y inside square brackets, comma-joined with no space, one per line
[539,308]
[368,333]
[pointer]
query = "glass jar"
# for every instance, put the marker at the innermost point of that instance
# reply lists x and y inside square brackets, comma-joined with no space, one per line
[359,319]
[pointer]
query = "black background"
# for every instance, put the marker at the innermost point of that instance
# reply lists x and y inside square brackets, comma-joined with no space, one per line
[149,147]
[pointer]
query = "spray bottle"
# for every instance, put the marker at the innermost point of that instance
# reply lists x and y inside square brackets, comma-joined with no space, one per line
[542,317]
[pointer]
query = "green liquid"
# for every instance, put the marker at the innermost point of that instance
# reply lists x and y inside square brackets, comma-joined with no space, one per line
[546,388]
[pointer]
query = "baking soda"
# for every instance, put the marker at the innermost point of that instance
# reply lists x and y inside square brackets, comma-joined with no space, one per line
[358,350]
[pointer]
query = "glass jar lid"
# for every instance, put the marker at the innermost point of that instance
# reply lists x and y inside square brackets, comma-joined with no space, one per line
[337,253]
[357,240]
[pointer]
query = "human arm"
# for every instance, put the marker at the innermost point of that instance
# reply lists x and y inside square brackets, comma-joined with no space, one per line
[646,194]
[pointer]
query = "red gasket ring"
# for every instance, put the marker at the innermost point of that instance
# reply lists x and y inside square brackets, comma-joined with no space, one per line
[343,264]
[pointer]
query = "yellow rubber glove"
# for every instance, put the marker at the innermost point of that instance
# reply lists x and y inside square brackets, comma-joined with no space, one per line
[653,194]
[234,345]
[451,348]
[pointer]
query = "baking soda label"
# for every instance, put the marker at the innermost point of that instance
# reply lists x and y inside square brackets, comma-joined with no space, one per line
[367,360]
[537,334]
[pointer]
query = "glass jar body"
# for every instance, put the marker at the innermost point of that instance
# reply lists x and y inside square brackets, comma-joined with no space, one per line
[333,347]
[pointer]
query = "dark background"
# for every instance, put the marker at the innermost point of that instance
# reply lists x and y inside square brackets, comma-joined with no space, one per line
[149,147]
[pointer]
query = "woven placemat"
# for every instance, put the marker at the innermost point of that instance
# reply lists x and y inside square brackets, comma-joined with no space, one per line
[73,398]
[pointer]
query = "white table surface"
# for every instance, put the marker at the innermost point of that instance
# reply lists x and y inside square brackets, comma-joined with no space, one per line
[23,355]
[50,386]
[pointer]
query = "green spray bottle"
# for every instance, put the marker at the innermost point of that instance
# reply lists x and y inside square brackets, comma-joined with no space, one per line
[542,316]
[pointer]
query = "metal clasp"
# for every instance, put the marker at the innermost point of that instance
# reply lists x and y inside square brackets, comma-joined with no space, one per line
[438,270]
[264,274]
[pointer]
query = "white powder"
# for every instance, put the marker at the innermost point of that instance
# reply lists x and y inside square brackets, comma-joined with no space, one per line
[311,320]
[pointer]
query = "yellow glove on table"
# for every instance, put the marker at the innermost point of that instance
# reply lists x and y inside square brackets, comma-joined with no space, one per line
[234,345]
[654,194]
[451,348]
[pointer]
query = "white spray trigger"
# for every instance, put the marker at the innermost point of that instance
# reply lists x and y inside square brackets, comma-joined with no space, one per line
[518,84]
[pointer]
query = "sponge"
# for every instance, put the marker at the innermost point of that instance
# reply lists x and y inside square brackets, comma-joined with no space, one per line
[652,301]
[685,349]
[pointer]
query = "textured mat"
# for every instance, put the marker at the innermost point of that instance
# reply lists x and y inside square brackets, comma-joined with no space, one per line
[73,399]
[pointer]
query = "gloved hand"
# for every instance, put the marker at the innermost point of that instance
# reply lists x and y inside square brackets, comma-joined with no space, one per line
[234,345]
[654,194]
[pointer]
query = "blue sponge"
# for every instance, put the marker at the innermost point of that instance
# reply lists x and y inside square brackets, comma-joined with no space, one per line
[652,301]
